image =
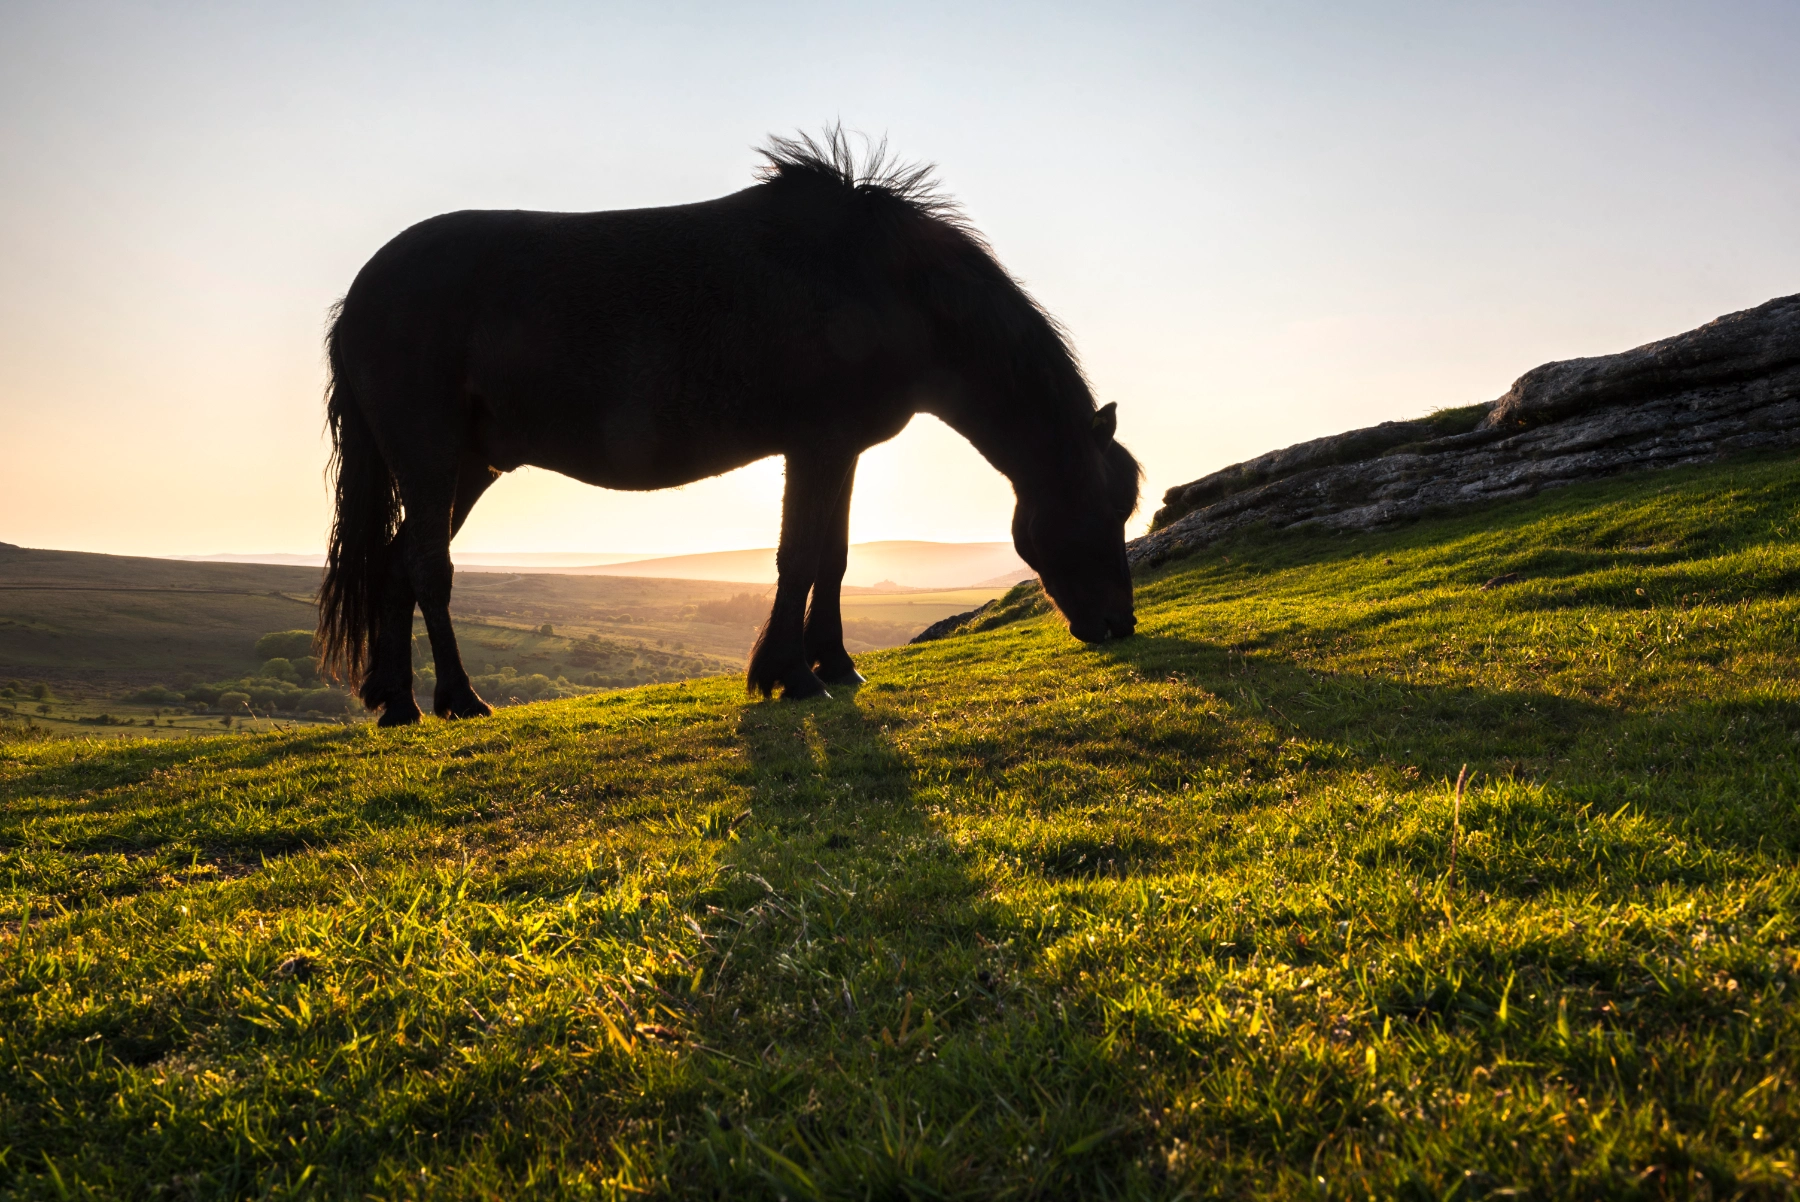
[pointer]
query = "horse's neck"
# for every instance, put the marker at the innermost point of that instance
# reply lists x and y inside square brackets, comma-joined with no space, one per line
[1031,445]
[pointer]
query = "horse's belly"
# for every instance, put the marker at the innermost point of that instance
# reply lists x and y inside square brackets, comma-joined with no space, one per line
[637,448]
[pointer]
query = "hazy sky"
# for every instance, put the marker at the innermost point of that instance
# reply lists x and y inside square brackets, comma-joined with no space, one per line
[1262,222]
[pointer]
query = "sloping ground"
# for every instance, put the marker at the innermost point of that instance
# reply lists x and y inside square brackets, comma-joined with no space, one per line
[1020,918]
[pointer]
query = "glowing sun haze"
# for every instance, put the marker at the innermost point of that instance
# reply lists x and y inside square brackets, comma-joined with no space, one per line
[1260,222]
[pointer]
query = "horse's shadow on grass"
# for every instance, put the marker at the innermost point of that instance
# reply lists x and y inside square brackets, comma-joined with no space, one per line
[815,768]
[1722,768]
[834,797]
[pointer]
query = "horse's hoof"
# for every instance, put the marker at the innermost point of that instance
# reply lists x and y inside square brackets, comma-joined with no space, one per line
[849,678]
[468,705]
[803,687]
[400,713]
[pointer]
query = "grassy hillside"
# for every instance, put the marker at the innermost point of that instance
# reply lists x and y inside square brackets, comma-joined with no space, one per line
[1019,918]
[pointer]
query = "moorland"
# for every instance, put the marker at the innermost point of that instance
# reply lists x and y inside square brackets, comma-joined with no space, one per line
[106,645]
[1200,912]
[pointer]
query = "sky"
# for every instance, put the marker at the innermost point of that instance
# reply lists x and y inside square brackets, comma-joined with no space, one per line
[1260,222]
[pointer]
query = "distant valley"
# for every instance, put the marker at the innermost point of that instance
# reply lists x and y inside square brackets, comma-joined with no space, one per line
[97,635]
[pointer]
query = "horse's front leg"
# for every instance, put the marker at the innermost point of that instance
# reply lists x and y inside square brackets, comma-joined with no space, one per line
[433,574]
[814,482]
[455,695]
[824,615]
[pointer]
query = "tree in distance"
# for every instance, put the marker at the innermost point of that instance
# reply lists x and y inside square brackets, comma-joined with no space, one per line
[285,644]
[157,694]
[744,609]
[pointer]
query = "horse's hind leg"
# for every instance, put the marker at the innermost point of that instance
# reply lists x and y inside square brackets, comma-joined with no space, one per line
[808,505]
[824,616]
[389,683]
[428,561]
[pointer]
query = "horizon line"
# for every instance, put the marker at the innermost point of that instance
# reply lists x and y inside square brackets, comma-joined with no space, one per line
[617,556]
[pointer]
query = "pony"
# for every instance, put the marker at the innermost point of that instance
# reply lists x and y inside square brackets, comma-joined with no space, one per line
[810,315]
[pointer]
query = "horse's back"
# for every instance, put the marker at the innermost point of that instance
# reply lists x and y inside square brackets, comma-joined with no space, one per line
[634,348]
[557,257]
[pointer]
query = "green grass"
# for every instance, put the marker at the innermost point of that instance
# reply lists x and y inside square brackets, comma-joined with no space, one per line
[1017,919]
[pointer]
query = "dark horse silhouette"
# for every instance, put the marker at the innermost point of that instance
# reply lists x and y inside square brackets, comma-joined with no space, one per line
[810,316]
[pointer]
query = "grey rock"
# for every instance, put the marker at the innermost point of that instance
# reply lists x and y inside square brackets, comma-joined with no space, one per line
[1731,386]
[1751,345]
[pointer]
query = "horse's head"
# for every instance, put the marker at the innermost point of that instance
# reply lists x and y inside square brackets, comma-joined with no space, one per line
[1072,533]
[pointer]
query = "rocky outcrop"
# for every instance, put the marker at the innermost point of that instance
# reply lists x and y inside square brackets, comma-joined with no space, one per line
[1733,385]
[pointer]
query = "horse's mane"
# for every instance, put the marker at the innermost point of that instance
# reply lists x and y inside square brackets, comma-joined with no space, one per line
[985,299]
[830,158]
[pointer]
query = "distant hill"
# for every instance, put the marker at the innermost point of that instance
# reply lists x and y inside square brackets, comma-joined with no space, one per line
[108,621]
[907,564]
[536,561]
[70,616]
[1007,579]
[897,563]
[97,624]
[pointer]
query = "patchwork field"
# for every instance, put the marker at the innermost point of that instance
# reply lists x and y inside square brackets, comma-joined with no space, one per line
[1197,913]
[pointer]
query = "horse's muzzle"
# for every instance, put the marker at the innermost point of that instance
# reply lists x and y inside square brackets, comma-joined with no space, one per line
[1114,626]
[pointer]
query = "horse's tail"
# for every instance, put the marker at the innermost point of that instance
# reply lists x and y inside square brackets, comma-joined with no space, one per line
[367,514]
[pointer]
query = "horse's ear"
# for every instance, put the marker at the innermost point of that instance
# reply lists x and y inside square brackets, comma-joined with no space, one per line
[1106,422]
